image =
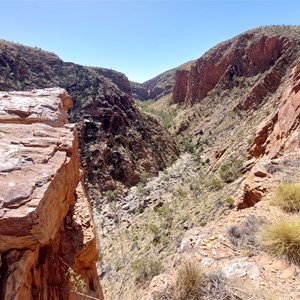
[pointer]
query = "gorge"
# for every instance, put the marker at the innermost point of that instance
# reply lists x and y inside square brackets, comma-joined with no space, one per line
[178,169]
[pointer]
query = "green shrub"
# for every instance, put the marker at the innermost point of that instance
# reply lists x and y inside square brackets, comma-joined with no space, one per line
[215,184]
[141,191]
[287,196]
[190,282]
[88,158]
[144,176]
[154,229]
[164,240]
[282,239]
[230,202]
[112,195]
[231,171]
[186,145]
[145,269]
[181,193]
[164,211]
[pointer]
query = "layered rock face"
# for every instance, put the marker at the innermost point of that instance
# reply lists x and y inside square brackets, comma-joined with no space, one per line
[180,88]
[117,142]
[46,226]
[276,140]
[154,88]
[138,91]
[246,56]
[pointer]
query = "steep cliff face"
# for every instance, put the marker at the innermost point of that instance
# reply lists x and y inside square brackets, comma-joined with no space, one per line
[180,88]
[46,225]
[117,142]
[117,78]
[264,53]
[277,134]
[276,138]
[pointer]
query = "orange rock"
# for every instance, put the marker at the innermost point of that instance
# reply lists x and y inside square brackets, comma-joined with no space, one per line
[245,55]
[276,137]
[40,192]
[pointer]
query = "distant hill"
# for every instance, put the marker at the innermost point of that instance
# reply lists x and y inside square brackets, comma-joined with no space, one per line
[157,87]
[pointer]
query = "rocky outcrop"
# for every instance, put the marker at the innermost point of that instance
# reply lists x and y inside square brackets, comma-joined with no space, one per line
[117,142]
[46,225]
[138,91]
[230,63]
[276,137]
[118,78]
[180,88]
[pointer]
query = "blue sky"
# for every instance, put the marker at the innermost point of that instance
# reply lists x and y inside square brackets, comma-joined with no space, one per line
[138,38]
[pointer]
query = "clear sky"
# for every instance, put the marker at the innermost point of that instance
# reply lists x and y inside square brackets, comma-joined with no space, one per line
[139,38]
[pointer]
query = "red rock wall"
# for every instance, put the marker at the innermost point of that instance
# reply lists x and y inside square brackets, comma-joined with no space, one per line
[180,87]
[276,137]
[245,56]
[273,136]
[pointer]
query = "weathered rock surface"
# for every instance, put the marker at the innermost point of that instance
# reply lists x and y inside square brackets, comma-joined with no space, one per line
[138,91]
[277,136]
[242,57]
[46,224]
[180,88]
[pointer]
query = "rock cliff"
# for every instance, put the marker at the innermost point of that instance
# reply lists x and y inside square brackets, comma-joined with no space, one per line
[277,137]
[238,116]
[263,52]
[48,243]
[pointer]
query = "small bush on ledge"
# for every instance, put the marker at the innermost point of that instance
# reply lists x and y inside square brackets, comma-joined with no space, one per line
[282,239]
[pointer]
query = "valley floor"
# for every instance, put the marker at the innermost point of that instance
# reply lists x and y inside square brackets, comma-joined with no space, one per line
[184,213]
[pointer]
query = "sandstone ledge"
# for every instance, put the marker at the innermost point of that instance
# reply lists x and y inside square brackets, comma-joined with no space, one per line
[45,217]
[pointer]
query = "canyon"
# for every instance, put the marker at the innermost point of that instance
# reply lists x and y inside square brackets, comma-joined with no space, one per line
[179,168]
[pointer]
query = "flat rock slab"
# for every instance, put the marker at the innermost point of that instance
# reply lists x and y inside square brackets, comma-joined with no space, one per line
[46,106]
[38,165]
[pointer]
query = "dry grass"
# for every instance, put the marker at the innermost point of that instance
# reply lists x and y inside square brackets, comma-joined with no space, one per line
[282,239]
[190,282]
[287,196]
[193,284]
